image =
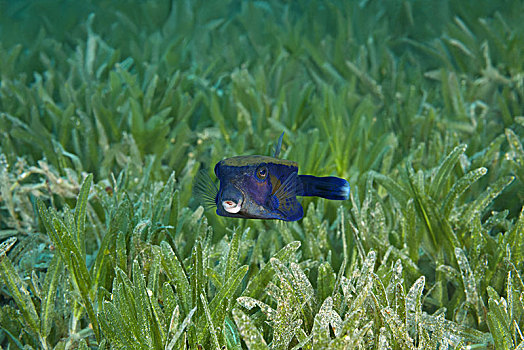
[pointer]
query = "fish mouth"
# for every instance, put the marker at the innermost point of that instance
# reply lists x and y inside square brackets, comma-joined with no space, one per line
[231,206]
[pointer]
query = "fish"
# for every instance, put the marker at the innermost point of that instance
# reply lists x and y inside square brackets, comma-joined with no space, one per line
[264,187]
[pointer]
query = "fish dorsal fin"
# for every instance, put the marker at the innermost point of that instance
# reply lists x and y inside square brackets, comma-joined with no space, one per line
[279,145]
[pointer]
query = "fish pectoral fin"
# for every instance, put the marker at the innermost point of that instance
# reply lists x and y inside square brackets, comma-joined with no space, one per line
[284,199]
[205,190]
[288,188]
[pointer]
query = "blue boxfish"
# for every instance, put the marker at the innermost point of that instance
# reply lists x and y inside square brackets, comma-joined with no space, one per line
[263,187]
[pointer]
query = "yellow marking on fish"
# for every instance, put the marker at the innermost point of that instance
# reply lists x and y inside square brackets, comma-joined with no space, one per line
[253,160]
[275,182]
[260,185]
[284,203]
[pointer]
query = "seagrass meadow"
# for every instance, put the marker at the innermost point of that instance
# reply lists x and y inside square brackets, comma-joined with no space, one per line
[109,109]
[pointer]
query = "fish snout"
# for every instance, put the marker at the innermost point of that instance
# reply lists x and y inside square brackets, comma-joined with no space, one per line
[231,200]
[231,206]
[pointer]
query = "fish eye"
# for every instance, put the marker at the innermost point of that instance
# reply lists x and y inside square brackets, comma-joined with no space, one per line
[262,172]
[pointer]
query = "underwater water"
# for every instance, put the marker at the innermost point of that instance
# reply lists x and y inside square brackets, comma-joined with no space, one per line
[111,110]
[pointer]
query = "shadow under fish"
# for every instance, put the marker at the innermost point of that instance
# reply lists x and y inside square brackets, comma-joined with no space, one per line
[262,187]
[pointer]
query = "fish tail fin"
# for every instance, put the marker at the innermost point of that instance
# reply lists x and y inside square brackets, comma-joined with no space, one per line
[326,187]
